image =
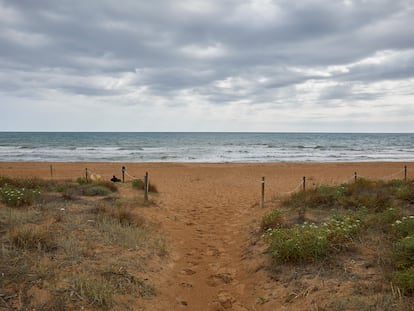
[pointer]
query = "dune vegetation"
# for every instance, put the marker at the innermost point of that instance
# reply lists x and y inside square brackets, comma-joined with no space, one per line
[73,245]
[361,233]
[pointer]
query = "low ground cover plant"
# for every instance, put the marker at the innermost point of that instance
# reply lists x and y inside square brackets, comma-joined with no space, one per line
[15,196]
[403,255]
[310,242]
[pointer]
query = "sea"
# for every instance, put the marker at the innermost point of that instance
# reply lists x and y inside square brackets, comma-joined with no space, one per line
[204,147]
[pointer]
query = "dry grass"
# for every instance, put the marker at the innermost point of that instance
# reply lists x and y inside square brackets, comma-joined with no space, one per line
[31,237]
[65,247]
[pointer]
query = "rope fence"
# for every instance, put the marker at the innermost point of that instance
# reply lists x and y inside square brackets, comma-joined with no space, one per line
[92,175]
[68,173]
[401,175]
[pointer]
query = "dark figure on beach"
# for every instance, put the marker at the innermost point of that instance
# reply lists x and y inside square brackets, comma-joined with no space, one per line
[114,179]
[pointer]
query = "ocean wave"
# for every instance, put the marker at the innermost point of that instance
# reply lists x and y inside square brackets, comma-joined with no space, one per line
[200,148]
[131,148]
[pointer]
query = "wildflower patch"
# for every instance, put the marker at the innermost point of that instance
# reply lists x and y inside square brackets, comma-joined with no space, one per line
[404,227]
[310,242]
[15,197]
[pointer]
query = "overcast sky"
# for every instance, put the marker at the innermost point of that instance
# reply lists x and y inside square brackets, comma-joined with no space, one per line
[207,65]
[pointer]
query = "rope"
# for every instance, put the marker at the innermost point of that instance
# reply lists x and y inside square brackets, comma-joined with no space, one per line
[392,175]
[292,191]
[130,176]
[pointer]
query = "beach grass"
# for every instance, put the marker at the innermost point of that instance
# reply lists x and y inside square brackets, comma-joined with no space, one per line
[73,232]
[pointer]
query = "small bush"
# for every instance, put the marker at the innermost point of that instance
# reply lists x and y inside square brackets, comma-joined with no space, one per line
[15,197]
[95,190]
[81,180]
[138,184]
[297,244]
[31,237]
[405,192]
[98,292]
[126,283]
[272,220]
[28,183]
[405,281]
[99,208]
[127,218]
[107,184]
[404,226]
[404,253]
[382,221]
[311,242]
[114,232]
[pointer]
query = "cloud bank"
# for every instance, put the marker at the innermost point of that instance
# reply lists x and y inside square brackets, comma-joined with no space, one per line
[163,65]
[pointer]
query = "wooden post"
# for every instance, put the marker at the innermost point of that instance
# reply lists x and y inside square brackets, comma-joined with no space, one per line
[51,172]
[123,174]
[355,177]
[146,186]
[304,183]
[263,189]
[405,173]
[86,175]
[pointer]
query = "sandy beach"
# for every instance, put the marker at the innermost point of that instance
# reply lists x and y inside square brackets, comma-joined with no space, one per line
[280,177]
[208,212]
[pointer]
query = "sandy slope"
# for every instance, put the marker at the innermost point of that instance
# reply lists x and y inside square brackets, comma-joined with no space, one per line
[208,212]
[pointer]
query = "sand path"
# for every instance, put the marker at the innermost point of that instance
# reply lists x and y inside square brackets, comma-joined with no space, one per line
[208,228]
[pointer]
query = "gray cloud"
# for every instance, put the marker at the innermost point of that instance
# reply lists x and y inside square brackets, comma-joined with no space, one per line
[259,52]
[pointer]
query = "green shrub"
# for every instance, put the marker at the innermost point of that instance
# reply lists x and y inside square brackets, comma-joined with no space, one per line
[404,253]
[271,220]
[15,197]
[404,226]
[28,183]
[138,184]
[297,244]
[311,242]
[81,180]
[405,281]
[405,192]
[95,190]
[382,221]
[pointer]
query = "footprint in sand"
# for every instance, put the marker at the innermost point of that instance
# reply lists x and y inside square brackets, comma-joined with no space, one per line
[186,285]
[213,251]
[187,271]
[218,279]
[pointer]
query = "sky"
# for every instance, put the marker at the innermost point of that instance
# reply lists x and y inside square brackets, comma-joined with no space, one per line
[207,65]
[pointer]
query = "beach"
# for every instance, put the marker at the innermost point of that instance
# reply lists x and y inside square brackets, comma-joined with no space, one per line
[208,213]
[169,177]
